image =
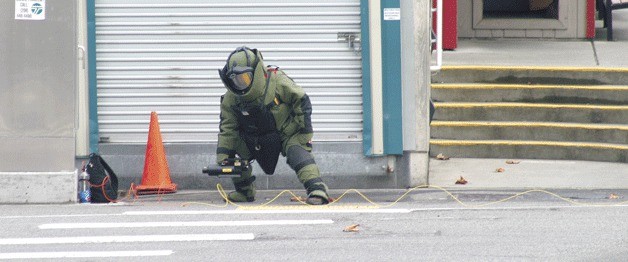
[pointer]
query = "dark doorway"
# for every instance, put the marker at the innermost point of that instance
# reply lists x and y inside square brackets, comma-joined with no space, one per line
[547,9]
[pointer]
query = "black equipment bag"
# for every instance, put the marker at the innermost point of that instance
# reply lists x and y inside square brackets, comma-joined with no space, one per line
[104,182]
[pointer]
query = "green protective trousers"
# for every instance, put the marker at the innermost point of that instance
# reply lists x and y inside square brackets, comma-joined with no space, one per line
[308,170]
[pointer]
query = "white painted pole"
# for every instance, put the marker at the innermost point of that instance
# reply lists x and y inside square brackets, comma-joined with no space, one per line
[415,82]
[377,108]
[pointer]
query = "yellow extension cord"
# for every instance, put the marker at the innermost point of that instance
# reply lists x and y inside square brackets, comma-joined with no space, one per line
[223,194]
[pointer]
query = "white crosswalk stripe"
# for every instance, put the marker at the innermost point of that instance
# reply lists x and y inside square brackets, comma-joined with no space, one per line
[125,239]
[86,254]
[74,229]
[274,211]
[186,224]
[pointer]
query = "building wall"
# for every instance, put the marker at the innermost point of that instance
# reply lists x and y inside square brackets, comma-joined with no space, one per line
[139,54]
[571,23]
[38,58]
[164,56]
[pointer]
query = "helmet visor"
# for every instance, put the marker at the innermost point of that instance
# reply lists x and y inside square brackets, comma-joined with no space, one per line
[242,81]
[242,77]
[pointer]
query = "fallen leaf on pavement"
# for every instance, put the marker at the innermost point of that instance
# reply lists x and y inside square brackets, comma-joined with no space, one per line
[352,228]
[613,196]
[512,162]
[461,181]
[442,157]
[500,170]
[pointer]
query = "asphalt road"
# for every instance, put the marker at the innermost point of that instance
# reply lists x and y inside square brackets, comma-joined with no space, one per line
[425,225]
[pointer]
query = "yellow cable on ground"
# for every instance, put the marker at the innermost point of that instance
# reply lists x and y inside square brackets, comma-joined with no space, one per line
[228,202]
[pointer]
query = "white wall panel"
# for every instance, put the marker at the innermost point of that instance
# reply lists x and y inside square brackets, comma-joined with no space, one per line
[164,55]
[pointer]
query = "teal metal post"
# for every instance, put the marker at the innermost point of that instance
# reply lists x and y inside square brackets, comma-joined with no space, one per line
[93,97]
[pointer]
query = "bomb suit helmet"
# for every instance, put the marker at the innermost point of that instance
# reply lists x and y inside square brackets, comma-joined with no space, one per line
[243,72]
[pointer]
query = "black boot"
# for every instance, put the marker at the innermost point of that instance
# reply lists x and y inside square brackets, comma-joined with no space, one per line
[244,191]
[316,192]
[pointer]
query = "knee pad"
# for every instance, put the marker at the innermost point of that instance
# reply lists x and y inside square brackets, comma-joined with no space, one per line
[298,158]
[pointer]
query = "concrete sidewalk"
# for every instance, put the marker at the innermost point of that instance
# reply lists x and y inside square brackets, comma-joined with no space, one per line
[528,174]
[355,199]
[596,53]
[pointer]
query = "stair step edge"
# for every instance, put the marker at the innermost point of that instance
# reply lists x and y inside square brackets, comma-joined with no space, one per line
[592,126]
[447,142]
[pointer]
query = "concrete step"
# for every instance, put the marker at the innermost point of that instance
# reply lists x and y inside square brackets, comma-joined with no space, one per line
[531,112]
[531,131]
[556,94]
[529,150]
[532,75]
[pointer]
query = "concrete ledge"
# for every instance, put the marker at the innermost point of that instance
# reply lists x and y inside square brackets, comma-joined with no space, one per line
[573,113]
[555,94]
[38,187]
[531,131]
[530,149]
[532,75]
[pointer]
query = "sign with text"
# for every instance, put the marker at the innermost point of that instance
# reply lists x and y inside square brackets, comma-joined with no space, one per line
[30,9]
[392,14]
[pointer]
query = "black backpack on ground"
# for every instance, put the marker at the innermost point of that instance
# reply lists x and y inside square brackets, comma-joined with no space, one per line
[104,182]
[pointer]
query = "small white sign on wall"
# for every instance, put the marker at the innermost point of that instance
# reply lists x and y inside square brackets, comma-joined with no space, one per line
[392,14]
[30,9]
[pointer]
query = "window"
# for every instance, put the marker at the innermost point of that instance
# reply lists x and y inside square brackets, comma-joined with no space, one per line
[520,14]
[520,9]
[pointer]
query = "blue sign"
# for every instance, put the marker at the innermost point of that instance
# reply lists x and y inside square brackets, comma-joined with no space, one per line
[37,8]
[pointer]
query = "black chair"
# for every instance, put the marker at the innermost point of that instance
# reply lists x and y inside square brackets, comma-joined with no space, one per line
[606,8]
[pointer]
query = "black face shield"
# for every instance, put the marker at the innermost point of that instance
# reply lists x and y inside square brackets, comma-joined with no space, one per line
[239,78]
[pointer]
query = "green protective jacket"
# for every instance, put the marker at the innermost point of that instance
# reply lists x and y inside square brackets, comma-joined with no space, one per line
[288,103]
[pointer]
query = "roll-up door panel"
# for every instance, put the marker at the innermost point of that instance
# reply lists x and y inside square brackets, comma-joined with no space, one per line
[164,55]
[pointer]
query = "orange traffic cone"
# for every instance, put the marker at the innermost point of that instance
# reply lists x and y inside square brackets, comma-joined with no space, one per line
[156,177]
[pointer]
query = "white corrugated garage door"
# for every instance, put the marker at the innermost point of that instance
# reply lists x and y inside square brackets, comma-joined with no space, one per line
[164,55]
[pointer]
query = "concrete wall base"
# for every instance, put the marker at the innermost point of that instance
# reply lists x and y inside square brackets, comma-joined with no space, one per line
[38,187]
[342,165]
[416,165]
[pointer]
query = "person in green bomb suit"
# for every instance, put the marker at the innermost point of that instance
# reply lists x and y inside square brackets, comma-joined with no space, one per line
[265,113]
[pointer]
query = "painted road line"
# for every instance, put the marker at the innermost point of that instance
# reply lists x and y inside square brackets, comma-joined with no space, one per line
[86,254]
[269,210]
[57,216]
[186,224]
[126,239]
[247,210]
[549,207]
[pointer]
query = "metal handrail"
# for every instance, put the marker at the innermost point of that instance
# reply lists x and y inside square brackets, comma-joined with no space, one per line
[439,35]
